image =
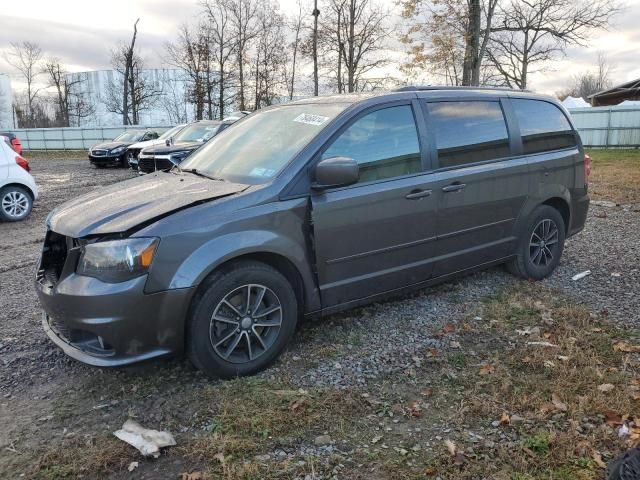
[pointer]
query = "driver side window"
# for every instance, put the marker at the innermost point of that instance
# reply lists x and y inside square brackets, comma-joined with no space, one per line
[384,143]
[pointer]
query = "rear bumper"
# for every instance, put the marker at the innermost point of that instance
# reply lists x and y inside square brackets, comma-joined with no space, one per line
[579,211]
[110,325]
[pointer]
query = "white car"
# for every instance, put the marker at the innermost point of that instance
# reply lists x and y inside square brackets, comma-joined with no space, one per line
[18,189]
[134,150]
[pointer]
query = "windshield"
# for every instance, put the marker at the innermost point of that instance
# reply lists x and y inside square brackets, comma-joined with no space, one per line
[197,133]
[134,136]
[260,145]
[172,132]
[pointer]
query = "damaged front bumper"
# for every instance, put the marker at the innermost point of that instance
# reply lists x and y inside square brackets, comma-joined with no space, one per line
[107,324]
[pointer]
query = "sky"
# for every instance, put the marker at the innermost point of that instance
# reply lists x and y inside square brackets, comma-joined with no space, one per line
[82,32]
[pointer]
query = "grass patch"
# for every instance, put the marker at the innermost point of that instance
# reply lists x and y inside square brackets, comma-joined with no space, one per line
[615,175]
[55,154]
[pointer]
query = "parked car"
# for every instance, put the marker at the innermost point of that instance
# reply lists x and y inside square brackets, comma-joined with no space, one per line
[13,141]
[306,209]
[134,149]
[114,153]
[18,189]
[180,146]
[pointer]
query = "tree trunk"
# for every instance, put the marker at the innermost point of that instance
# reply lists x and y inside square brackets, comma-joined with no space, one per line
[471,75]
[316,12]
[350,62]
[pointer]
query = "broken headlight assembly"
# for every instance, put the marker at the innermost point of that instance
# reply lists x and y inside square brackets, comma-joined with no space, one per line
[116,261]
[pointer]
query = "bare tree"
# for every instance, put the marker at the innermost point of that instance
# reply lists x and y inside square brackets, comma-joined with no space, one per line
[127,55]
[355,30]
[295,25]
[448,37]
[269,62]
[25,57]
[590,82]
[222,49]
[69,100]
[528,33]
[243,20]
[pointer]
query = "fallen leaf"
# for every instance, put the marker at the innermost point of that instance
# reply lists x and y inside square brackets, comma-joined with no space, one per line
[430,471]
[549,364]
[598,459]
[606,387]
[487,369]
[193,476]
[505,419]
[626,347]
[414,410]
[451,447]
[427,392]
[558,404]
[132,466]
[220,457]
[297,404]
[563,358]
[449,328]
[375,440]
[613,418]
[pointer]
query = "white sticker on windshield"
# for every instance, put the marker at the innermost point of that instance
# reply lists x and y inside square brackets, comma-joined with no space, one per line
[310,119]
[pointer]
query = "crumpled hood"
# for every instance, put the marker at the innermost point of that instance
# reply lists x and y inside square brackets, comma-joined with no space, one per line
[125,205]
[110,145]
[147,143]
[175,147]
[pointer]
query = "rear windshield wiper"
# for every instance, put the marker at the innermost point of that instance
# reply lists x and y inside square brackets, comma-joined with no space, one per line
[200,173]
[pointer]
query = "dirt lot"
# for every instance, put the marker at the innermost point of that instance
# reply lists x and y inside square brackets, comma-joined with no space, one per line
[454,381]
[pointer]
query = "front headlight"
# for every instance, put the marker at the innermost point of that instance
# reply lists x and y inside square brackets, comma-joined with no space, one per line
[117,260]
[118,150]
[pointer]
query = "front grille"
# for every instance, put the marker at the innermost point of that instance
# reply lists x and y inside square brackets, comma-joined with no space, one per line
[54,256]
[99,153]
[150,164]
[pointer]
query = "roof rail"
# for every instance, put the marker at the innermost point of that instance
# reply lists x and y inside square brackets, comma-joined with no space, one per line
[418,88]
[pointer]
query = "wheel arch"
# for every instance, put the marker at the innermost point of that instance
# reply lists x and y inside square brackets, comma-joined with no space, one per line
[562,206]
[23,186]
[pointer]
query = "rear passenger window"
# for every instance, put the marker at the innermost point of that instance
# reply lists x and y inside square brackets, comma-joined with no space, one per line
[468,132]
[543,126]
[384,143]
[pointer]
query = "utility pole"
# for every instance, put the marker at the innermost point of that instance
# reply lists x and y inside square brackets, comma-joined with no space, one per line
[316,12]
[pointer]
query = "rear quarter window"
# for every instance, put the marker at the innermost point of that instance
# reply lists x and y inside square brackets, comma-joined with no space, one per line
[543,126]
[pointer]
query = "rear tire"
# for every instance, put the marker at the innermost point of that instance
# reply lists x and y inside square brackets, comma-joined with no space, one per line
[15,203]
[241,320]
[540,244]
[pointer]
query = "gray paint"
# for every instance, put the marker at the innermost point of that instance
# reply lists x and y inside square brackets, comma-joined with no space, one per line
[348,245]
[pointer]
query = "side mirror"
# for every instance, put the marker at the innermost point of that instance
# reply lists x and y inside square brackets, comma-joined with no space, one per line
[336,172]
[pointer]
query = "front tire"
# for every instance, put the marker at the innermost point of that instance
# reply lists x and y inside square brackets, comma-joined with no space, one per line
[241,320]
[15,203]
[540,244]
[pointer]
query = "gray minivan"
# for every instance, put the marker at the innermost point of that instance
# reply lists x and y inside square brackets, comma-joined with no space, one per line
[306,209]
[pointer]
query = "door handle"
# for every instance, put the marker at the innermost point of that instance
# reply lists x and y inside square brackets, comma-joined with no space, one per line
[454,187]
[417,194]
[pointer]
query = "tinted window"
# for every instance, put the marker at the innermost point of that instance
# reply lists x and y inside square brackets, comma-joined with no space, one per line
[468,132]
[384,143]
[543,126]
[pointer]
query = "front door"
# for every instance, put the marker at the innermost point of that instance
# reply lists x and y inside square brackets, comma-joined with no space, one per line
[481,187]
[379,234]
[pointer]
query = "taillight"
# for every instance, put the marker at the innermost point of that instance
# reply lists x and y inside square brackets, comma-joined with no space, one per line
[23,163]
[587,167]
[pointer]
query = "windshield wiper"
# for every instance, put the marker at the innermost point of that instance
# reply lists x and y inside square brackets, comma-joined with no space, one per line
[199,173]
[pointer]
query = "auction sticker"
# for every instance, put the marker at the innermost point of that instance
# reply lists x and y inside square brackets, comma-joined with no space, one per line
[310,119]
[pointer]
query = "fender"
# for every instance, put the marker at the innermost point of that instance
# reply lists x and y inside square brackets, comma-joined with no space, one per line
[545,192]
[219,250]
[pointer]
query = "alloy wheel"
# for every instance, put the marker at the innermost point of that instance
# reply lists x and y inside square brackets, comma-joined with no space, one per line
[543,243]
[245,323]
[15,204]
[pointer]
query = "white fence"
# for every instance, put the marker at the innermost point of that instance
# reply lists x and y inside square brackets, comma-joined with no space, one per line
[72,138]
[608,127]
[599,127]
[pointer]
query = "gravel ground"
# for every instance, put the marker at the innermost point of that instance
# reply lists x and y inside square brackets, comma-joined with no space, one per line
[346,350]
